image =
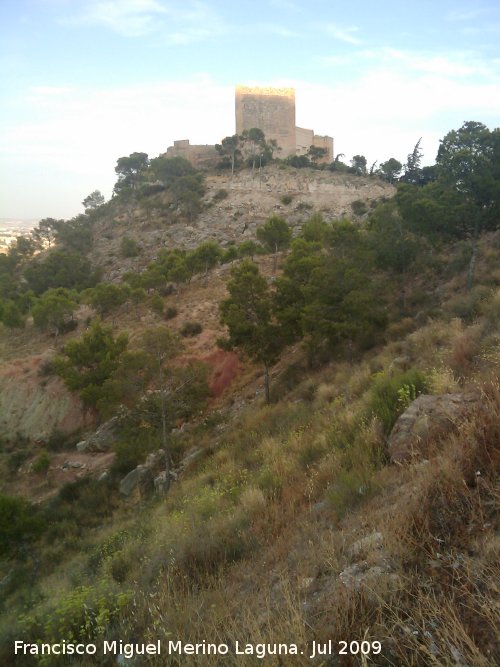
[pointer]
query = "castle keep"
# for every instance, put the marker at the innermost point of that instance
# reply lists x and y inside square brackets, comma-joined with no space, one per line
[272,110]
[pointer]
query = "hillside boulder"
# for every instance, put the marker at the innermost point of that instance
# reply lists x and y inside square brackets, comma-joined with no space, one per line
[426,421]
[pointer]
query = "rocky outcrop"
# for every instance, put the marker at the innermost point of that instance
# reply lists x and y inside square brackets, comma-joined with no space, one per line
[426,420]
[34,405]
[147,478]
[151,477]
[103,439]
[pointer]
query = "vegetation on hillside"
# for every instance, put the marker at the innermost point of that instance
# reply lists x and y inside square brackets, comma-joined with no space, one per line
[290,523]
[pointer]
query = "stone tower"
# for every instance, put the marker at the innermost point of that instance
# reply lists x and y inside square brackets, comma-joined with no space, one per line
[272,110]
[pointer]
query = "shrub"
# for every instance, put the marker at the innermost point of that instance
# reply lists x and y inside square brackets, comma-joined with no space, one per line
[19,524]
[220,195]
[390,396]
[286,200]
[129,247]
[170,313]
[468,306]
[83,614]
[156,304]
[358,207]
[191,329]
[42,463]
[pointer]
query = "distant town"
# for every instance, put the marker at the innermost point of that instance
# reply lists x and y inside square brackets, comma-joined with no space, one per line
[10,228]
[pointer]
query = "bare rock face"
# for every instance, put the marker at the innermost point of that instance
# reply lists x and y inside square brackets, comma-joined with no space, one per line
[426,420]
[33,405]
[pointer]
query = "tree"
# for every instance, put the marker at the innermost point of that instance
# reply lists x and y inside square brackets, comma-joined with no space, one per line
[461,196]
[338,166]
[467,161]
[275,235]
[59,269]
[76,234]
[130,171]
[206,256]
[248,248]
[248,315]
[358,165]
[10,315]
[46,231]
[390,170]
[316,154]
[93,201]
[229,150]
[106,297]
[161,345]
[88,362]
[54,309]
[413,165]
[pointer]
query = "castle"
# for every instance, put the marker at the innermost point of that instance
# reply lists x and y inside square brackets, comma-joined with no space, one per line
[272,110]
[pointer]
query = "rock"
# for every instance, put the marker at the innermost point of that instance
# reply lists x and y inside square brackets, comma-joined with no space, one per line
[129,482]
[146,478]
[72,464]
[372,542]
[426,420]
[102,440]
[373,578]
[398,364]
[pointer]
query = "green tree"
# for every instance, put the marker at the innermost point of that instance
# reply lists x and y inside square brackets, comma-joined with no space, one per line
[275,235]
[248,248]
[75,235]
[54,309]
[130,171]
[93,201]
[46,231]
[161,345]
[59,269]
[106,297]
[248,315]
[229,150]
[206,256]
[316,154]
[412,168]
[467,162]
[88,362]
[358,165]
[390,169]
[11,315]
[395,247]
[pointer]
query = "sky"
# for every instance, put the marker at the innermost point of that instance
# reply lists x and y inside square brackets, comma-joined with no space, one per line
[84,82]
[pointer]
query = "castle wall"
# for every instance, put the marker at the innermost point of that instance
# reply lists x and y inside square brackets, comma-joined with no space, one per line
[200,156]
[272,110]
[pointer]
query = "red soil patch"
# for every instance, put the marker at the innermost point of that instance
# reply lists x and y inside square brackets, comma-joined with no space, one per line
[226,366]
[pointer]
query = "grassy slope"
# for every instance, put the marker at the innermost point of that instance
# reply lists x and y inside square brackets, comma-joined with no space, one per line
[259,541]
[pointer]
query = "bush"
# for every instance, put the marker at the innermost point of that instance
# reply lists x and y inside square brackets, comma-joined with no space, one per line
[468,306]
[191,329]
[286,200]
[390,396]
[220,195]
[358,207]
[129,247]
[156,304]
[42,463]
[19,524]
[170,313]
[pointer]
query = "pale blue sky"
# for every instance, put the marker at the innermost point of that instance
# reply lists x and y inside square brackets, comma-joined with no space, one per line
[87,81]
